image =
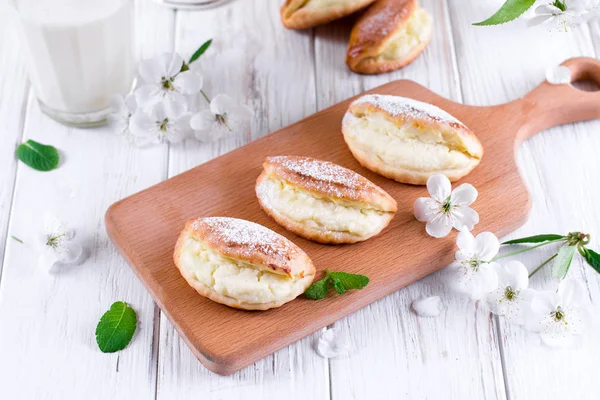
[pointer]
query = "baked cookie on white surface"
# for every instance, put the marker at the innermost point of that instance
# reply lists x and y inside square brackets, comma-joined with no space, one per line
[322,201]
[241,264]
[408,140]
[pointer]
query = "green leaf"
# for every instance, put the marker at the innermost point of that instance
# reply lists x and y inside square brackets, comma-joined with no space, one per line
[38,156]
[510,10]
[16,238]
[200,51]
[350,281]
[116,328]
[536,239]
[591,257]
[338,285]
[318,290]
[563,260]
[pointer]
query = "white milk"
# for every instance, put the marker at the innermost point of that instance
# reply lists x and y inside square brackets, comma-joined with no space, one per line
[80,52]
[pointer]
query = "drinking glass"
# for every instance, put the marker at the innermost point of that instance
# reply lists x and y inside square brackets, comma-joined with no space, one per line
[78,54]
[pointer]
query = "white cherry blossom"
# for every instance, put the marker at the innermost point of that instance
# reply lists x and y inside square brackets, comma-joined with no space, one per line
[564,14]
[121,110]
[164,121]
[223,117]
[56,244]
[446,208]
[473,273]
[163,80]
[512,297]
[561,315]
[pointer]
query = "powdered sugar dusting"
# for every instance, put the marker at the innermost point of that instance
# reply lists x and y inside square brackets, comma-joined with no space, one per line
[324,176]
[407,108]
[239,233]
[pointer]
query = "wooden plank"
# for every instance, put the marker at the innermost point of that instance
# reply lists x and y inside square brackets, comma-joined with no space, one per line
[396,353]
[497,64]
[271,69]
[14,89]
[48,320]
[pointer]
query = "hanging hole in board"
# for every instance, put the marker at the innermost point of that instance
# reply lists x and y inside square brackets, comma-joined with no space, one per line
[586,85]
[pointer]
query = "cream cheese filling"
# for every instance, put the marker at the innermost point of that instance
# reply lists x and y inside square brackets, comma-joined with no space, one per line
[416,31]
[318,213]
[236,279]
[313,4]
[407,146]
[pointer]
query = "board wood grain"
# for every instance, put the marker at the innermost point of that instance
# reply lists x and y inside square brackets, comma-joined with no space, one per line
[145,226]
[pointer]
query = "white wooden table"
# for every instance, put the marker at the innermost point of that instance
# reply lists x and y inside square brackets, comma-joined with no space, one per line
[47,321]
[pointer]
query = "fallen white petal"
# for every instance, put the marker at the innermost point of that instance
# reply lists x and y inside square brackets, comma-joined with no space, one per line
[333,343]
[428,306]
[558,75]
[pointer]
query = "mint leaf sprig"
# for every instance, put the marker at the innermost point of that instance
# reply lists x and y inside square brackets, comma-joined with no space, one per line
[38,156]
[116,327]
[510,10]
[571,243]
[340,281]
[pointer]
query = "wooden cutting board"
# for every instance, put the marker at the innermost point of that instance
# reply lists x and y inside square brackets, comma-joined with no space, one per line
[145,226]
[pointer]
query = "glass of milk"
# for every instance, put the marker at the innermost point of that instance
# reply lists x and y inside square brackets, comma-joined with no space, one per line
[79,53]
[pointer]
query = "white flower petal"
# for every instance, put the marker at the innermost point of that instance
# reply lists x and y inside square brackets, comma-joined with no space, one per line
[484,281]
[544,302]
[117,105]
[548,9]
[148,95]
[202,121]
[178,129]
[579,319]
[142,124]
[465,194]
[333,343]
[151,71]
[47,258]
[69,252]
[486,246]
[439,226]
[172,64]
[221,104]
[465,216]
[465,242]
[425,209]
[174,109]
[572,293]
[130,103]
[517,275]
[556,335]
[558,75]
[428,306]
[173,97]
[439,187]
[539,20]
[188,82]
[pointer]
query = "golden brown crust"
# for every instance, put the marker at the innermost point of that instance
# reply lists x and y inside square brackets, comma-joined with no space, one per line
[372,32]
[326,179]
[423,116]
[291,256]
[253,243]
[295,14]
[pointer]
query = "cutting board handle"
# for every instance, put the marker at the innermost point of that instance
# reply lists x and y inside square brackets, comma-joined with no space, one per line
[551,105]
